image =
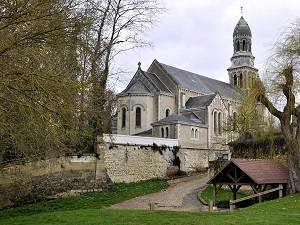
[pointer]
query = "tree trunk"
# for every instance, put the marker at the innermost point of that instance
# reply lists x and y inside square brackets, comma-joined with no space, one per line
[294,166]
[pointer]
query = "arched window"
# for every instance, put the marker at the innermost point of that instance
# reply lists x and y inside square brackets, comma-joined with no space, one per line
[192,133]
[123,117]
[167,112]
[235,80]
[138,117]
[167,132]
[238,46]
[241,80]
[234,121]
[220,123]
[244,45]
[196,134]
[215,122]
[162,132]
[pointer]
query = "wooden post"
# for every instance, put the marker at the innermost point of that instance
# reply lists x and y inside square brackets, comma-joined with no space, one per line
[259,197]
[210,206]
[230,206]
[215,193]
[281,190]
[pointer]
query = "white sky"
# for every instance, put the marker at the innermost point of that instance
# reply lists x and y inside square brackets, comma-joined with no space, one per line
[196,35]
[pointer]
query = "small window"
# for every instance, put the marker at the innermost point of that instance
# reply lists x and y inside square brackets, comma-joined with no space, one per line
[215,122]
[241,80]
[162,132]
[123,117]
[234,121]
[167,132]
[167,112]
[196,134]
[235,80]
[220,123]
[244,45]
[138,117]
[192,133]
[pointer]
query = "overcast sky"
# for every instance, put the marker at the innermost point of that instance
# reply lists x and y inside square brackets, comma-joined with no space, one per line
[196,35]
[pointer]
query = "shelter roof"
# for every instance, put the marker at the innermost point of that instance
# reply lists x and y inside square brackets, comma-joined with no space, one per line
[251,171]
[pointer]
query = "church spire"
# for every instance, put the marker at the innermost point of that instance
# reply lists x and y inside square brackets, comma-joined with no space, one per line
[242,62]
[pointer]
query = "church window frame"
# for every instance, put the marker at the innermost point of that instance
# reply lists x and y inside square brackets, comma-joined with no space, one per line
[220,123]
[138,117]
[235,79]
[123,119]
[241,80]
[167,132]
[215,123]
[167,112]
[194,133]
[162,132]
[234,118]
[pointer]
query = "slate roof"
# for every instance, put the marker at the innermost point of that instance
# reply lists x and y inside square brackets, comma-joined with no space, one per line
[202,84]
[156,80]
[146,133]
[242,29]
[138,87]
[261,172]
[174,118]
[199,101]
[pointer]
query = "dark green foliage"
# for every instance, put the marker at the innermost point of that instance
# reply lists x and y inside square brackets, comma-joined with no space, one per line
[265,145]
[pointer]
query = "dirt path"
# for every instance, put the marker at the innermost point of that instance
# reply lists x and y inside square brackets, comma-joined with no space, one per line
[181,195]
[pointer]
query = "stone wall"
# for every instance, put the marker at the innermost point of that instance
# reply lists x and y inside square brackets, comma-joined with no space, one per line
[131,163]
[31,182]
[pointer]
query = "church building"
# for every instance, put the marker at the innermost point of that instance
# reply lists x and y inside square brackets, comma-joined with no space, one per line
[172,103]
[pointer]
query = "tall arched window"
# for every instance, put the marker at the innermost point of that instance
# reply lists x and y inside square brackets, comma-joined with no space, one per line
[162,132]
[215,122]
[220,123]
[138,117]
[123,117]
[244,45]
[196,134]
[235,80]
[241,80]
[238,46]
[192,133]
[167,112]
[234,121]
[167,132]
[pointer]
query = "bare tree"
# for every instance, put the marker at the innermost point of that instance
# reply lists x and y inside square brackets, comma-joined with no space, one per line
[284,67]
[113,26]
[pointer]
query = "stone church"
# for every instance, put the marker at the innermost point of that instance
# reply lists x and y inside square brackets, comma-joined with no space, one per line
[172,103]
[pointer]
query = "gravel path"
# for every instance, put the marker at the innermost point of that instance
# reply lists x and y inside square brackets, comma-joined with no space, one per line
[181,195]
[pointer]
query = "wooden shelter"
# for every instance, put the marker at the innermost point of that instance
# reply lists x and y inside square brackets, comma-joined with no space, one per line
[259,175]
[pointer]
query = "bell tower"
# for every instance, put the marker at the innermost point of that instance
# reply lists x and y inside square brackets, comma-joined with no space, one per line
[242,71]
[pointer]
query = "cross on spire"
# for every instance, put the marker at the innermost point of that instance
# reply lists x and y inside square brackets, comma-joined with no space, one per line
[242,12]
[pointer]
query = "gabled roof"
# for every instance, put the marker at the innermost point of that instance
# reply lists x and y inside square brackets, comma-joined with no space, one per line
[199,83]
[138,86]
[174,119]
[200,101]
[251,171]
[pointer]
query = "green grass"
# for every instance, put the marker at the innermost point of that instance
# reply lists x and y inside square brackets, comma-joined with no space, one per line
[223,194]
[94,200]
[281,211]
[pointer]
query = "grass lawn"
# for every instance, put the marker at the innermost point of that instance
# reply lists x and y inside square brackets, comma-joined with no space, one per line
[86,210]
[223,194]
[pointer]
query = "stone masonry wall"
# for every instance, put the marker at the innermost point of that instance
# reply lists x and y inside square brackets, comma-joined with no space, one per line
[131,163]
[31,182]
